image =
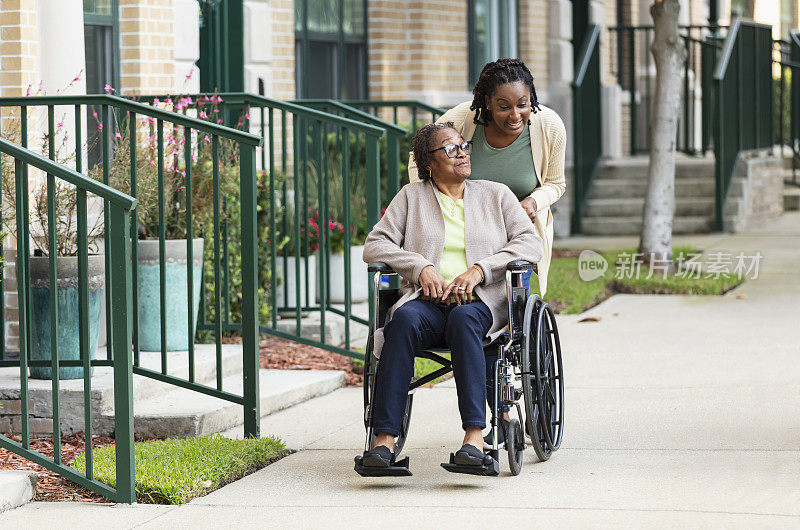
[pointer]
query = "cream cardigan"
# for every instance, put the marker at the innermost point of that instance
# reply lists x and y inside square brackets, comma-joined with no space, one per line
[410,236]
[548,147]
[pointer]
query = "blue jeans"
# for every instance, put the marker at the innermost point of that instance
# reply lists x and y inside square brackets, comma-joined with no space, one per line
[417,325]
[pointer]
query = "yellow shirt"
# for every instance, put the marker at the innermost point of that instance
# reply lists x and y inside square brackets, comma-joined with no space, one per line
[454,255]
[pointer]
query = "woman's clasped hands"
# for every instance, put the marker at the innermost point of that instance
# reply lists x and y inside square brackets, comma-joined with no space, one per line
[436,289]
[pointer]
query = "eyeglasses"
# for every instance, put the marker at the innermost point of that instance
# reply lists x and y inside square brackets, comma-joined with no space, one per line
[451,150]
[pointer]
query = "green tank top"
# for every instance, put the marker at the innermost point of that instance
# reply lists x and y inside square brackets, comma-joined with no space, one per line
[511,165]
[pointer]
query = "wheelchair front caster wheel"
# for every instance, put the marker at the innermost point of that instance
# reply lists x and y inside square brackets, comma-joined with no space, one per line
[515,444]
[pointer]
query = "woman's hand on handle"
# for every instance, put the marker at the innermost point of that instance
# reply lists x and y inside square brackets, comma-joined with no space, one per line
[463,285]
[529,205]
[432,283]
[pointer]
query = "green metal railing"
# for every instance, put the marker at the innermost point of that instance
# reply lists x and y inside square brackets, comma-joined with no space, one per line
[587,122]
[118,281]
[390,161]
[119,128]
[321,190]
[415,112]
[744,108]
[630,60]
[788,95]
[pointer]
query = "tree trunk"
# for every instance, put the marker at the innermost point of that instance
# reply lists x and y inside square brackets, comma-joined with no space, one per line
[669,54]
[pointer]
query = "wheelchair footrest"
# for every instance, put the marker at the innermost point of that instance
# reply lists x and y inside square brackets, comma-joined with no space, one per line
[396,469]
[489,468]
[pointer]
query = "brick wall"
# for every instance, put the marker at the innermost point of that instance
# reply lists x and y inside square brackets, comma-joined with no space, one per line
[18,46]
[147,48]
[417,53]
[282,64]
[533,32]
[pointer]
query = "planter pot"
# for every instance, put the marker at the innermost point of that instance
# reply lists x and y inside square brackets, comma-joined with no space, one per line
[359,289]
[285,297]
[177,294]
[68,313]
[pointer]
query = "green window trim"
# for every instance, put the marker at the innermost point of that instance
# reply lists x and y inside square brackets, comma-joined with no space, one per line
[493,33]
[94,17]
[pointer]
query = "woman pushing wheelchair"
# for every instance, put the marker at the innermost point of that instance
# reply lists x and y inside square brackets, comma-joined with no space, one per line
[450,239]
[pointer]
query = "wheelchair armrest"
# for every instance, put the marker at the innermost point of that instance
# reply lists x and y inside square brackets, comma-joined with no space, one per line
[520,265]
[380,267]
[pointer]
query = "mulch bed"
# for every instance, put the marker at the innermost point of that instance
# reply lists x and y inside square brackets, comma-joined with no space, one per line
[284,354]
[50,486]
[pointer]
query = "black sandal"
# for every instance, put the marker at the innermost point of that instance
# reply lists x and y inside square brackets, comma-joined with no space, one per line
[380,462]
[472,461]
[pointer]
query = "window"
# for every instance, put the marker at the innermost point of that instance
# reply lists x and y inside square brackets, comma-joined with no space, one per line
[100,30]
[492,33]
[330,49]
[100,22]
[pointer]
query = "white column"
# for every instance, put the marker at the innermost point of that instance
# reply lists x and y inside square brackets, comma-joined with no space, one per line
[61,47]
[187,46]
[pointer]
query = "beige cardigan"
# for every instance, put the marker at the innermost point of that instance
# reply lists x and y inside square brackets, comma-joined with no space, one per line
[548,147]
[410,236]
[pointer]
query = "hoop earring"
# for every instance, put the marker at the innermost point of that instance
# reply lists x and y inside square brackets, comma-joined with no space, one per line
[430,174]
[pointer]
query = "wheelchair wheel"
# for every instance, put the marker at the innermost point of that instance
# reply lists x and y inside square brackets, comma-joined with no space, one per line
[515,444]
[549,378]
[542,384]
[370,369]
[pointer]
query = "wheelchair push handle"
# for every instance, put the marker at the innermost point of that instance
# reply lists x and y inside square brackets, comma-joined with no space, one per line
[520,265]
[380,267]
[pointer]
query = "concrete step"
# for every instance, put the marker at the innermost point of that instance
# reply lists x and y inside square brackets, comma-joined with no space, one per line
[16,488]
[633,206]
[638,166]
[637,188]
[791,198]
[633,225]
[71,396]
[181,413]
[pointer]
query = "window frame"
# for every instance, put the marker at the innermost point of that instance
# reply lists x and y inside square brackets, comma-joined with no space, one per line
[112,21]
[304,36]
[503,19]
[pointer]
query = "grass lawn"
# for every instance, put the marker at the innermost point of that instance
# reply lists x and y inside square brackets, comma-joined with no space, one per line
[176,471]
[568,293]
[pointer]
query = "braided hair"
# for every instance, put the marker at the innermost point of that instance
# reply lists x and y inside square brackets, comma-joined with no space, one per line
[497,73]
[421,146]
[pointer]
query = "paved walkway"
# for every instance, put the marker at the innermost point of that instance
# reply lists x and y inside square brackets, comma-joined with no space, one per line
[681,411]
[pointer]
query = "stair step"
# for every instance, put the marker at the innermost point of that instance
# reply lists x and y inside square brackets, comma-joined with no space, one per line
[791,198]
[181,413]
[16,488]
[632,225]
[637,188]
[633,206]
[637,167]
[71,390]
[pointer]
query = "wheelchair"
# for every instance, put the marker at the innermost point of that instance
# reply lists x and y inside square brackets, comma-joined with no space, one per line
[528,367]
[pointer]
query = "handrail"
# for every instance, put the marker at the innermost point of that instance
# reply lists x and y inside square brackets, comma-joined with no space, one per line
[355,112]
[680,26]
[394,102]
[585,55]
[243,97]
[727,50]
[139,108]
[64,173]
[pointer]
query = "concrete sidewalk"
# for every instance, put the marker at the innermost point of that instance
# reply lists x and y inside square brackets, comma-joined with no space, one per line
[680,411]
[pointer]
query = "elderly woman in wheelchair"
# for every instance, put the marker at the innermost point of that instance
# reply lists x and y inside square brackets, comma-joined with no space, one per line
[460,247]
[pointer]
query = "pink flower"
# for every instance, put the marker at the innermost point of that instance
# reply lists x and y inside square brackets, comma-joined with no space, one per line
[78,77]
[247,116]
[28,92]
[99,126]
[118,135]
[109,89]
[94,114]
